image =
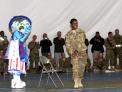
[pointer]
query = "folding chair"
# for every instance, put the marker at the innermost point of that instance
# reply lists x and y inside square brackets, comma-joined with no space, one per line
[48,68]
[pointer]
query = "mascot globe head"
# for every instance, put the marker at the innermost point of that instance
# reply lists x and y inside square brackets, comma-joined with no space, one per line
[20,24]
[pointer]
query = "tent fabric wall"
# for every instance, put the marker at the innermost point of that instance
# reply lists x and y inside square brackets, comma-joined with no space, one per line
[50,16]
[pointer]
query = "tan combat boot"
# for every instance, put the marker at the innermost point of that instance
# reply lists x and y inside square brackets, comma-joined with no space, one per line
[80,85]
[76,82]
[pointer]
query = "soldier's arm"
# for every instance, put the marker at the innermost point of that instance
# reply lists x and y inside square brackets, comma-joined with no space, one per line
[50,43]
[86,40]
[68,45]
[5,44]
[30,45]
[63,41]
[114,44]
[107,45]
[83,42]
[121,39]
[41,43]
[92,41]
[38,45]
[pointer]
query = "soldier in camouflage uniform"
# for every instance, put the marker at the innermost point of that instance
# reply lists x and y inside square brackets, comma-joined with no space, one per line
[110,52]
[1,59]
[75,44]
[34,52]
[3,47]
[118,41]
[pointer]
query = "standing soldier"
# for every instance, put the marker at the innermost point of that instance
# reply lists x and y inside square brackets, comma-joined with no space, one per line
[59,55]
[75,44]
[97,49]
[3,47]
[118,41]
[34,52]
[45,45]
[1,56]
[110,52]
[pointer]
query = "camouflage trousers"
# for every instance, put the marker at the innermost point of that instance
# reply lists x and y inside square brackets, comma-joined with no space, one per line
[110,58]
[34,58]
[118,55]
[1,61]
[98,60]
[1,66]
[78,65]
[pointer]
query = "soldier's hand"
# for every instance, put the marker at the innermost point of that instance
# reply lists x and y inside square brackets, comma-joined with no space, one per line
[75,53]
[49,55]
[114,47]
[83,53]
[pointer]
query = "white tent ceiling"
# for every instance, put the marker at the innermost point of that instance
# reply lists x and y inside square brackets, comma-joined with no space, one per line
[51,16]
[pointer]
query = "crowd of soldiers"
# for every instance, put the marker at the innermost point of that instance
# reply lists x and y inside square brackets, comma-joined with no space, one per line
[112,60]
[109,59]
[77,45]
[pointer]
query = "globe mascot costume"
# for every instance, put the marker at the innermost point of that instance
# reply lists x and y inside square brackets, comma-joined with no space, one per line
[20,27]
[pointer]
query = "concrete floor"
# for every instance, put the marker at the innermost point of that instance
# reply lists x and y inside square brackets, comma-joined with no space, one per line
[93,82]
